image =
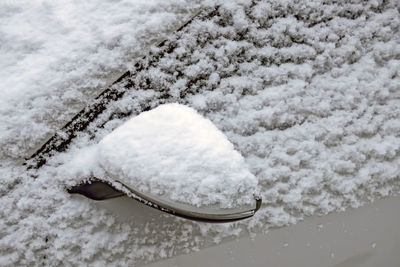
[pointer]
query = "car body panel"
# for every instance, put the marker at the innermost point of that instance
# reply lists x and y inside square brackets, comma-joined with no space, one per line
[366,236]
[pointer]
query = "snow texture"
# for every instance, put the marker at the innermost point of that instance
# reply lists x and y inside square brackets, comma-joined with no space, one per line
[307,91]
[173,152]
[57,55]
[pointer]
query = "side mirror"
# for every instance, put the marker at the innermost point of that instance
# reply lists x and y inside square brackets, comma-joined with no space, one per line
[173,159]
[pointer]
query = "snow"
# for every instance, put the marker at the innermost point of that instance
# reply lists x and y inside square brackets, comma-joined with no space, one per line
[173,152]
[308,92]
[55,56]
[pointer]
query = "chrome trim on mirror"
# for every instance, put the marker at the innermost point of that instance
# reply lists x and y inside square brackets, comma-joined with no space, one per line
[98,189]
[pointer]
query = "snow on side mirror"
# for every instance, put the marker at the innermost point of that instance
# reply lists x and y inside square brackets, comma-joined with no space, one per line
[173,159]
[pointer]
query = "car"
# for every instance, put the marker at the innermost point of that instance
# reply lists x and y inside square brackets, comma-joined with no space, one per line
[305,93]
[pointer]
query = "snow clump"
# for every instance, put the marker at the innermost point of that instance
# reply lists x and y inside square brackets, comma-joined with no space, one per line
[174,152]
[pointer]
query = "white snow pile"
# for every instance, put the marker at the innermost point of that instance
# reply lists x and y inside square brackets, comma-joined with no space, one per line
[174,152]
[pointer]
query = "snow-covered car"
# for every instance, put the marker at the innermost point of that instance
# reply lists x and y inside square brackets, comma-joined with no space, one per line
[199,109]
